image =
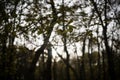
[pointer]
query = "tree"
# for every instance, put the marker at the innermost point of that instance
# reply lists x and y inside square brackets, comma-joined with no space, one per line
[84,34]
[46,40]
[7,37]
[105,26]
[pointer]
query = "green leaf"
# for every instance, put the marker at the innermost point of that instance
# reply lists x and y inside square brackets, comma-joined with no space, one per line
[70,28]
[59,31]
[83,13]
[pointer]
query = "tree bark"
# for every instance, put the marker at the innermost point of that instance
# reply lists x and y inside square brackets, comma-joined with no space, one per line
[49,63]
[31,70]
[64,60]
[108,50]
[54,70]
[99,57]
[90,58]
[82,68]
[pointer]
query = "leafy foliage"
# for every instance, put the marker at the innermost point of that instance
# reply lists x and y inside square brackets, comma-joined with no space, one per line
[84,34]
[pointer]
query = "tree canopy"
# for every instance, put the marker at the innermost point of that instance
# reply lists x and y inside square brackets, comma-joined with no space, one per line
[60,39]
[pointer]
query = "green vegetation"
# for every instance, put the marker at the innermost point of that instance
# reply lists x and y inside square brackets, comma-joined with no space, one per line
[59,40]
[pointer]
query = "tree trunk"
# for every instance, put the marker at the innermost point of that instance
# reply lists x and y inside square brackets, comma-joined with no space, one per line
[82,68]
[108,50]
[104,24]
[99,58]
[54,70]
[103,66]
[90,58]
[49,63]
[31,70]
[73,70]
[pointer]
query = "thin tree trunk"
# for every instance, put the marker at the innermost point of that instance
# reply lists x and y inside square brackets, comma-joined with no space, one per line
[43,66]
[99,58]
[49,63]
[54,70]
[90,58]
[67,61]
[103,65]
[65,44]
[108,50]
[82,68]
[79,68]
[73,70]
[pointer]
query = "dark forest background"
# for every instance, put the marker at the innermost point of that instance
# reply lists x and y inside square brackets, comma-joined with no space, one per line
[91,27]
